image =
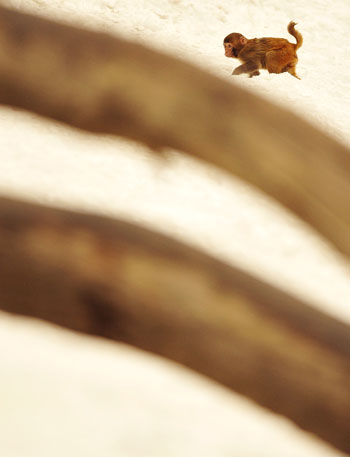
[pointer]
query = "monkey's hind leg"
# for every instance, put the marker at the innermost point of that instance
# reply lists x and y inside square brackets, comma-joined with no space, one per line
[275,62]
[280,61]
[291,70]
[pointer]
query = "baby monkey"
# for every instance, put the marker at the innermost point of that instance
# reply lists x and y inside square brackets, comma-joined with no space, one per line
[276,55]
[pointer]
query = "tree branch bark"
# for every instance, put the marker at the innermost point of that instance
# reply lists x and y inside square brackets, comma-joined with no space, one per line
[104,84]
[112,279]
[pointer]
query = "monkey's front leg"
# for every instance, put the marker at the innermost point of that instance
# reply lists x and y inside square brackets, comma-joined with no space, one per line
[254,73]
[248,67]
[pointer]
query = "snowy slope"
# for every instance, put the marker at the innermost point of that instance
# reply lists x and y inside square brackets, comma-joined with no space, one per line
[86,397]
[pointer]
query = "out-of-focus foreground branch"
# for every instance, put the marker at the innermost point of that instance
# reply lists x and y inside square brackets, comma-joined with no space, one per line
[112,279]
[104,84]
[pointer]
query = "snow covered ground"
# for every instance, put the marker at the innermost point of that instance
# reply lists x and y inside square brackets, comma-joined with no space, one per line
[64,394]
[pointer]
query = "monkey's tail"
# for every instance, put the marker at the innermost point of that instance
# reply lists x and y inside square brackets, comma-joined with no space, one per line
[298,36]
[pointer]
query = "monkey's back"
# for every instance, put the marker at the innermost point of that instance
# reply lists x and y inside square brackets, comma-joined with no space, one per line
[256,48]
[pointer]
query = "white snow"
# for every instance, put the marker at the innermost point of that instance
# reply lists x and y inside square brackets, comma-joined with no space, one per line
[64,394]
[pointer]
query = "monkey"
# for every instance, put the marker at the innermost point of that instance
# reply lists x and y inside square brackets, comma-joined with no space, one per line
[276,55]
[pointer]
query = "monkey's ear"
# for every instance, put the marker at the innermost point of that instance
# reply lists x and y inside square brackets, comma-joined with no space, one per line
[243,40]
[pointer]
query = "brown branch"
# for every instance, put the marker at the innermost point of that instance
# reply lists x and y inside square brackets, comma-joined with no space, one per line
[112,279]
[104,84]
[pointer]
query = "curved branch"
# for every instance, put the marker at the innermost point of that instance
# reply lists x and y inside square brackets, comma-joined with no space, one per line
[103,84]
[112,279]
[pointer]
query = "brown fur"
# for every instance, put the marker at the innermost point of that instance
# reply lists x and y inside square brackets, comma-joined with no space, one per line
[276,55]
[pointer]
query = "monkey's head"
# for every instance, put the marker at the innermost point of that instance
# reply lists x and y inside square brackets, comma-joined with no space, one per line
[233,43]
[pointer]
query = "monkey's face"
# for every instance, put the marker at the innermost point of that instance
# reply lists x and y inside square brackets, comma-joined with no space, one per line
[233,43]
[230,51]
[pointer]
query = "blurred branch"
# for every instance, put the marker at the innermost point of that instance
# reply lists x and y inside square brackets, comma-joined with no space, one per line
[105,84]
[112,279]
